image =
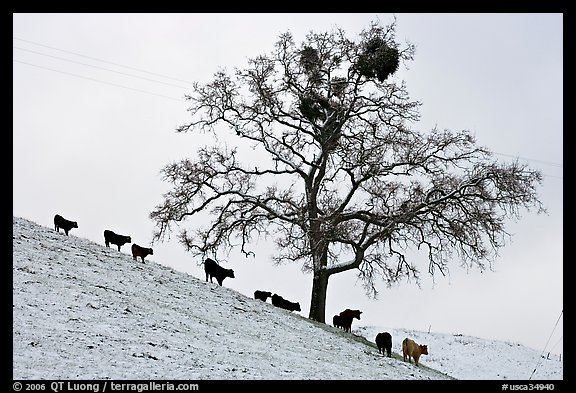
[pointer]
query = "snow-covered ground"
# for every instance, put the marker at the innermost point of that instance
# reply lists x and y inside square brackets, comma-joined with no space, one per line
[84,311]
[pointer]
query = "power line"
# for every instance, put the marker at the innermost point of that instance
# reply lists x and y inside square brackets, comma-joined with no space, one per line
[556,177]
[541,357]
[97,80]
[104,61]
[531,159]
[535,160]
[557,342]
[101,68]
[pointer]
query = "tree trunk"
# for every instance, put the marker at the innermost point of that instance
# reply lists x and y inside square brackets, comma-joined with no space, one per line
[319,250]
[318,301]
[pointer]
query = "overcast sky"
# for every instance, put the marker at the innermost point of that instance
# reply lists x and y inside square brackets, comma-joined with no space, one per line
[97,99]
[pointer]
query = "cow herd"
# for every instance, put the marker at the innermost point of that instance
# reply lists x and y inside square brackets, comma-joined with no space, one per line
[109,237]
[343,320]
[383,340]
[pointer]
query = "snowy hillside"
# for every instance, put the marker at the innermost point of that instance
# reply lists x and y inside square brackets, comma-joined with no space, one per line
[84,311]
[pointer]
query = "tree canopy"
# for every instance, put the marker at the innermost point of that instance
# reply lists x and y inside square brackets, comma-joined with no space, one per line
[334,173]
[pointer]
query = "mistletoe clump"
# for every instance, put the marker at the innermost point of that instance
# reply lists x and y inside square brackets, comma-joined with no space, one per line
[313,107]
[378,60]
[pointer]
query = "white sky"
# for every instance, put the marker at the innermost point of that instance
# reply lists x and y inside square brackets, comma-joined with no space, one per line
[92,130]
[82,311]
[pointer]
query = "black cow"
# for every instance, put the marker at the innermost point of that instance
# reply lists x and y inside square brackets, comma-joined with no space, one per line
[119,240]
[212,269]
[141,252]
[384,343]
[61,222]
[262,295]
[346,317]
[337,321]
[279,301]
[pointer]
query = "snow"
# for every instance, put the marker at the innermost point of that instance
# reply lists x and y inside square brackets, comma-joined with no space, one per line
[82,311]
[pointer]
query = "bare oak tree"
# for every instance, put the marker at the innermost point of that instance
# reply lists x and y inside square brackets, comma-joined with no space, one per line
[334,174]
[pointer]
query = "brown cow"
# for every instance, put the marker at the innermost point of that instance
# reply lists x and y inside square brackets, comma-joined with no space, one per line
[141,252]
[413,350]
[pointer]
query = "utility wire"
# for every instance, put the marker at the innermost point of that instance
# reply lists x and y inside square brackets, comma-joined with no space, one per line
[541,357]
[531,159]
[102,68]
[104,61]
[557,342]
[97,80]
